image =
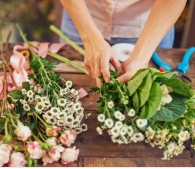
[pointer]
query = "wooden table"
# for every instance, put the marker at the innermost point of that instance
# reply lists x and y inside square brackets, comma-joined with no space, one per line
[99,151]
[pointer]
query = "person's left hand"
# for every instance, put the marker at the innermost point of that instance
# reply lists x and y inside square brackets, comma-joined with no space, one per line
[130,67]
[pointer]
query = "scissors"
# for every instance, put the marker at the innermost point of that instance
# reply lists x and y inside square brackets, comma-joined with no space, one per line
[182,67]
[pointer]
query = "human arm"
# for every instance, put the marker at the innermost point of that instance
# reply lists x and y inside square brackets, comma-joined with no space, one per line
[98,52]
[163,16]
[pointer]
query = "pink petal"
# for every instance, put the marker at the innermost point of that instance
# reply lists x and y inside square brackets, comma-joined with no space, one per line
[82,93]
[43,49]
[19,47]
[19,78]
[55,47]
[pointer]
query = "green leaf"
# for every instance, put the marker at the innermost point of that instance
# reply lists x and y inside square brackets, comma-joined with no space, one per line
[163,75]
[16,94]
[144,89]
[178,86]
[136,80]
[171,111]
[2,124]
[26,85]
[151,106]
[135,100]
[19,109]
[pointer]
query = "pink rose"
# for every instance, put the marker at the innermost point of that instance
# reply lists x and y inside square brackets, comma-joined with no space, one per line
[35,150]
[47,159]
[53,131]
[23,132]
[51,141]
[69,155]
[68,138]
[5,151]
[55,152]
[17,159]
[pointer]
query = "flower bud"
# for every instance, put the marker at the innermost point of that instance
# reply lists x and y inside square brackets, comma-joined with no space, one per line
[18,148]
[44,146]
[29,162]
[7,138]
[35,162]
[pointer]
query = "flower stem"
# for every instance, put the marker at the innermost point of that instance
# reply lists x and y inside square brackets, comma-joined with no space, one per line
[65,38]
[40,119]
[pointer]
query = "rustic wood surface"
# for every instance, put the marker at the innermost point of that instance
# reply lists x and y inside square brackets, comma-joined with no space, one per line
[99,151]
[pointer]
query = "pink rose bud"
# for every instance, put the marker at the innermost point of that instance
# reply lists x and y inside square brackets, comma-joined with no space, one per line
[53,131]
[68,137]
[35,150]
[17,159]
[5,151]
[23,132]
[51,141]
[69,155]
[55,152]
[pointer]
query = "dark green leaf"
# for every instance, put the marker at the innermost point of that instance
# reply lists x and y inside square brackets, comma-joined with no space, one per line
[26,85]
[178,86]
[16,94]
[136,80]
[151,106]
[2,124]
[171,111]
[19,109]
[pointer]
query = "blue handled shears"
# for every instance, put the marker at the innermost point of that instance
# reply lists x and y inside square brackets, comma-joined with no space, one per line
[182,67]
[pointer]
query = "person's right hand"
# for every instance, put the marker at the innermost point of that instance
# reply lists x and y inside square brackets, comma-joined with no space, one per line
[98,55]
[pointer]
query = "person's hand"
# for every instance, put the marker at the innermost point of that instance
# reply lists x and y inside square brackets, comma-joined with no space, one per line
[98,55]
[130,67]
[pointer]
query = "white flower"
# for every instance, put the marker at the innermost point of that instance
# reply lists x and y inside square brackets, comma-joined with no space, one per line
[51,141]
[68,137]
[113,139]
[30,93]
[73,91]
[55,152]
[53,131]
[48,114]
[131,113]
[115,132]
[23,132]
[34,149]
[31,99]
[69,155]
[150,133]
[55,110]
[60,123]
[109,123]
[47,159]
[122,118]
[110,104]
[69,84]
[164,89]
[39,108]
[84,127]
[61,102]
[141,122]
[166,99]
[183,136]
[23,101]
[23,91]
[26,107]
[77,106]
[69,119]
[101,117]
[62,92]
[118,124]
[171,147]
[162,133]
[123,130]
[117,114]
[99,130]
[52,121]
[17,159]
[130,131]
[137,137]
[5,151]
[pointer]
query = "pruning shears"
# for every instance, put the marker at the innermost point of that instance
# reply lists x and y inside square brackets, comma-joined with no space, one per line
[182,67]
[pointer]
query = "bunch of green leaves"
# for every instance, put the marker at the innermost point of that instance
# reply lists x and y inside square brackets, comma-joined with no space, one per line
[145,94]
[112,91]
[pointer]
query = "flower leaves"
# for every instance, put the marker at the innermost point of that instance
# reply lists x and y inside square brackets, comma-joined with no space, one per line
[16,94]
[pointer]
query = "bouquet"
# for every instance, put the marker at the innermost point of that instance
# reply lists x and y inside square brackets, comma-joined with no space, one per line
[153,106]
[40,113]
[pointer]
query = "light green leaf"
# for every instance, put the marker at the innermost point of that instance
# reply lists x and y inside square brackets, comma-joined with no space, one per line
[144,89]
[136,80]
[171,111]
[135,100]
[163,75]
[151,106]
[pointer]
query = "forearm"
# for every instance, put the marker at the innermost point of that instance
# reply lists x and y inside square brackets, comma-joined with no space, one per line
[162,17]
[82,19]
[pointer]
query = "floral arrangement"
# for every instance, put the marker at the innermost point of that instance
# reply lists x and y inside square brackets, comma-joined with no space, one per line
[40,113]
[153,106]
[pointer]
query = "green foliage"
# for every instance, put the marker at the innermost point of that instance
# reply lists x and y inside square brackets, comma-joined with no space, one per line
[26,85]
[2,124]
[16,94]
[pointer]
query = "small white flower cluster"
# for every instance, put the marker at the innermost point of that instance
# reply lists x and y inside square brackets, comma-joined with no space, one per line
[118,128]
[67,112]
[166,140]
